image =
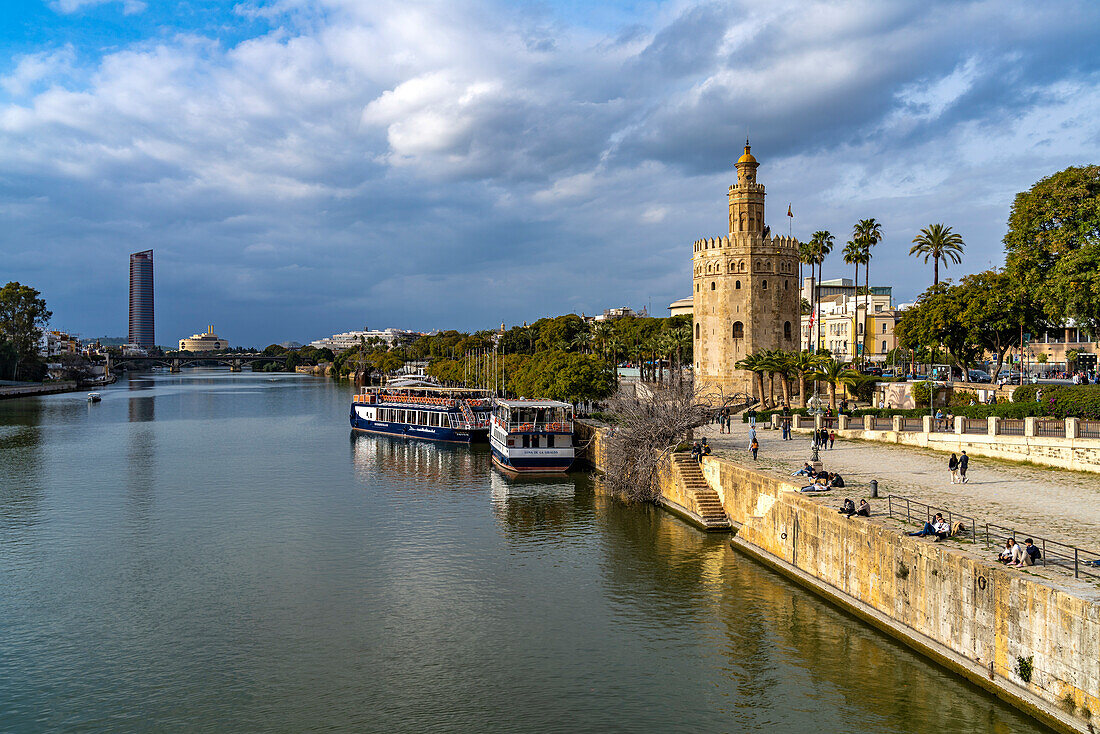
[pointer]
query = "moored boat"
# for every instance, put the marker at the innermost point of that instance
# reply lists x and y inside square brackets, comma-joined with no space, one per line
[94,397]
[532,436]
[420,410]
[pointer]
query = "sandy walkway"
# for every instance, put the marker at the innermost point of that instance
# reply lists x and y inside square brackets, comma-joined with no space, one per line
[1060,505]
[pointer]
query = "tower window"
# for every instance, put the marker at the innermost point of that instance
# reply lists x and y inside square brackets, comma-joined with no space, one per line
[737,285]
[696,287]
[884,347]
[738,330]
[697,331]
[712,285]
[765,285]
[787,330]
[786,285]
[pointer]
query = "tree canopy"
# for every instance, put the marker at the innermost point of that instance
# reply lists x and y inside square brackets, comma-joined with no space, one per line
[1053,243]
[23,317]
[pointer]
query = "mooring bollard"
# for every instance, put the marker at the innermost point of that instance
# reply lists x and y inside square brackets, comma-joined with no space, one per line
[874,488]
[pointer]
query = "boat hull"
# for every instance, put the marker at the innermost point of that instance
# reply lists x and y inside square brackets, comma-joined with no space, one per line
[425,433]
[533,461]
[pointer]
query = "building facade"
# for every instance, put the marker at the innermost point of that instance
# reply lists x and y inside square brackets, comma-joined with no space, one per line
[208,342]
[350,339]
[141,300]
[841,327]
[744,289]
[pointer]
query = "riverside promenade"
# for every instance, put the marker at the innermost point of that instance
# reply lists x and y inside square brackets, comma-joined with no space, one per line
[1061,505]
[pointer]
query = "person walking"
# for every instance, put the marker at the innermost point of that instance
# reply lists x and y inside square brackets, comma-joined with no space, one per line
[832,439]
[964,463]
[953,467]
[754,445]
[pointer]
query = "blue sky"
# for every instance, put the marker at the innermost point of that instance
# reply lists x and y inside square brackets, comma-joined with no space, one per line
[302,167]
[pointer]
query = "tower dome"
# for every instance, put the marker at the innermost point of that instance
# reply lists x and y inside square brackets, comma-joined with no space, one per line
[747,157]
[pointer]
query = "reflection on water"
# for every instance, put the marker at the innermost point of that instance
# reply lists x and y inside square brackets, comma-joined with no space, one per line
[210,552]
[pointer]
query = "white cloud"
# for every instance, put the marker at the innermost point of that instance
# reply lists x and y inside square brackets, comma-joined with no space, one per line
[129,7]
[30,69]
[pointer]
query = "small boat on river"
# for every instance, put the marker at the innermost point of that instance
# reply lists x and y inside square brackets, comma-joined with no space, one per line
[416,409]
[94,397]
[532,436]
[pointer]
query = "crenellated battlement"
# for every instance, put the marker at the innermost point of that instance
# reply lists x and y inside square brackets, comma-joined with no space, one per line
[746,239]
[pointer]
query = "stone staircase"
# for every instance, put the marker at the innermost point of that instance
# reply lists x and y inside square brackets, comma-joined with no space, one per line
[707,503]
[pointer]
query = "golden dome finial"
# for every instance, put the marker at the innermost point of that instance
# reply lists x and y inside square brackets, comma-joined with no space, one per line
[748,156]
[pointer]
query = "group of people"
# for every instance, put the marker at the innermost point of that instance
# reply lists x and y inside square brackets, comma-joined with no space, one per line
[825,438]
[821,480]
[699,450]
[938,528]
[958,465]
[1015,554]
[848,508]
[724,419]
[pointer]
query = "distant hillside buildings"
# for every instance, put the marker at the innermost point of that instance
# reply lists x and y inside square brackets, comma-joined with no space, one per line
[350,339]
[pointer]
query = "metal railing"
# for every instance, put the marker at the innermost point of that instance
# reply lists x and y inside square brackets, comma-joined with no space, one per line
[882,424]
[975,425]
[1089,429]
[1082,561]
[1011,427]
[1055,429]
[912,424]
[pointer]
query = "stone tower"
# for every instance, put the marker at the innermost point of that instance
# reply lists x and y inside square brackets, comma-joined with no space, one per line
[745,289]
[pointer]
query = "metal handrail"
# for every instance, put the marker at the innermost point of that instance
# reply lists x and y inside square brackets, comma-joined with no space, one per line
[1054,553]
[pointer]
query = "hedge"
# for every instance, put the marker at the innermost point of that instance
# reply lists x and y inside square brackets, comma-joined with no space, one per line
[1061,401]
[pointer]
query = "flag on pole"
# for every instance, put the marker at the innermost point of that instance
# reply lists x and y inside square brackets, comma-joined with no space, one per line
[789,212]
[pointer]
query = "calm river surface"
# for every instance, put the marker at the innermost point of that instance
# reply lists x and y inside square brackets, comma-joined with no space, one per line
[216,552]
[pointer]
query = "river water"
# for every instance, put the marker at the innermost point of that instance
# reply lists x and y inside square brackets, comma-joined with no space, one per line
[216,552]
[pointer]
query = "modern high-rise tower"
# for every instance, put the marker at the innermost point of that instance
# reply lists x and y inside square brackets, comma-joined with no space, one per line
[141,299]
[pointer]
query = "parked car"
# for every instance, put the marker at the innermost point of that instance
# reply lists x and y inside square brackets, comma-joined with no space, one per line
[979,376]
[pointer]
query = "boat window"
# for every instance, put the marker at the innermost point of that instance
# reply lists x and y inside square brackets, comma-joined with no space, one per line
[550,441]
[526,441]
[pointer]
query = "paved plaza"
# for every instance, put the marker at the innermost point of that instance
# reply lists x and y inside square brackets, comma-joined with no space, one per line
[1060,505]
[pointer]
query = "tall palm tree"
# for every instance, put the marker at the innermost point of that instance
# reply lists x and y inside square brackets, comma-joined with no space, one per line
[804,364]
[614,349]
[822,244]
[784,367]
[834,373]
[681,340]
[868,233]
[806,257]
[855,254]
[755,364]
[939,243]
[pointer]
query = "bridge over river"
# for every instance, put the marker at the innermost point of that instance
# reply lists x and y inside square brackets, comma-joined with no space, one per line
[175,361]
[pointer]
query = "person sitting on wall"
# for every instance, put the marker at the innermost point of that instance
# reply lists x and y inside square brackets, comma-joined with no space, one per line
[937,528]
[847,508]
[1031,552]
[835,480]
[864,508]
[805,471]
[705,447]
[696,451]
[1008,551]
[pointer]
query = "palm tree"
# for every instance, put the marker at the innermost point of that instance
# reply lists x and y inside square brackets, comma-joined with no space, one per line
[939,243]
[754,363]
[822,244]
[614,349]
[835,373]
[804,364]
[868,233]
[855,254]
[806,257]
[784,366]
[681,339]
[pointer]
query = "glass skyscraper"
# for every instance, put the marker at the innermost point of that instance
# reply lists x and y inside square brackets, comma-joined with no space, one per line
[141,299]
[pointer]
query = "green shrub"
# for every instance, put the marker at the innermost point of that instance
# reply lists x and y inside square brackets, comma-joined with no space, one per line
[1060,401]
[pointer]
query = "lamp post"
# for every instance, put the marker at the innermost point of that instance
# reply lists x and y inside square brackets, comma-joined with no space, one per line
[814,404]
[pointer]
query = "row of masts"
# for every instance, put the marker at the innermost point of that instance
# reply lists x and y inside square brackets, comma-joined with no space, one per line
[484,369]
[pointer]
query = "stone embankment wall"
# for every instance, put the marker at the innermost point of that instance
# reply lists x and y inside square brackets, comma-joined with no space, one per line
[589,438]
[25,391]
[1078,454]
[979,618]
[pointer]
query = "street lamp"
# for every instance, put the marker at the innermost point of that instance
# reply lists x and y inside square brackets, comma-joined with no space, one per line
[814,404]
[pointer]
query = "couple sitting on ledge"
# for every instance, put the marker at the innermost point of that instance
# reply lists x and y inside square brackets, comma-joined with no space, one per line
[1015,554]
[823,480]
[848,508]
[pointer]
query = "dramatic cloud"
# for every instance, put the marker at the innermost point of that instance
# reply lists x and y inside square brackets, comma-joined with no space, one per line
[455,164]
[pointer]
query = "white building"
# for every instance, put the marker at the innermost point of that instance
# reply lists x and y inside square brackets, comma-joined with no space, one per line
[208,342]
[350,339]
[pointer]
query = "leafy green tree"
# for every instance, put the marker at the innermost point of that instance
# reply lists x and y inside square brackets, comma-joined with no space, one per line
[23,317]
[274,350]
[936,319]
[995,309]
[939,243]
[1053,244]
